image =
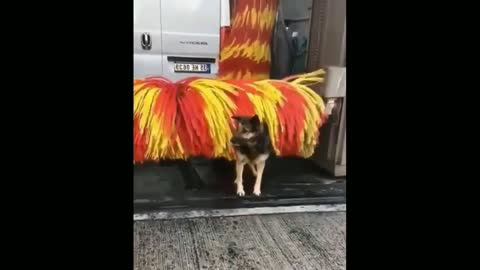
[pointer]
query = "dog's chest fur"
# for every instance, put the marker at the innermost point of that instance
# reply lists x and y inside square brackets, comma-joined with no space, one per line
[252,149]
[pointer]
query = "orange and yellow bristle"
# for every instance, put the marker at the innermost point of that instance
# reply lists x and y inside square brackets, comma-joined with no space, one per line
[245,51]
[179,120]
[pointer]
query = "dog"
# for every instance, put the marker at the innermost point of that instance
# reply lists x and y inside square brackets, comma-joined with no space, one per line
[251,141]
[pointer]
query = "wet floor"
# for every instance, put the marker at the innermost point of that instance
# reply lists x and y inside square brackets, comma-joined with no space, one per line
[277,242]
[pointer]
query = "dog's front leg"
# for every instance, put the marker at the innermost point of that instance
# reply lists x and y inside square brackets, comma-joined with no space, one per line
[252,167]
[258,181]
[239,165]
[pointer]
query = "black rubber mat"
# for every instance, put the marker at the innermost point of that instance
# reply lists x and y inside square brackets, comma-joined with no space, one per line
[209,184]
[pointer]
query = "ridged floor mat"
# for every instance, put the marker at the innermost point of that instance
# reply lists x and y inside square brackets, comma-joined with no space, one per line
[172,185]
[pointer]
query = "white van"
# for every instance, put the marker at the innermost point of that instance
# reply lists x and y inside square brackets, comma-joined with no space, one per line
[177,38]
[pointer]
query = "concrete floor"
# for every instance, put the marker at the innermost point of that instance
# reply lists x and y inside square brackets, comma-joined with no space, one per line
[277,242]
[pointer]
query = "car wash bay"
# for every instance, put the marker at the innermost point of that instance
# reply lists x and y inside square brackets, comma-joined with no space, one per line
[187,215]
[208,184]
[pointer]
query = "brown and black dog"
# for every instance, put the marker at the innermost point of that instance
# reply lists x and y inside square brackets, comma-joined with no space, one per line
[252,145]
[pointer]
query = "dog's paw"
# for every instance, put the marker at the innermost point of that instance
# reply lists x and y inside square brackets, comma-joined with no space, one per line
[257,192]
[241,193]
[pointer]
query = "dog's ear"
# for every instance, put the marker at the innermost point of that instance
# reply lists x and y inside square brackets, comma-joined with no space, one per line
[255,121]
[241,118]
[237,118]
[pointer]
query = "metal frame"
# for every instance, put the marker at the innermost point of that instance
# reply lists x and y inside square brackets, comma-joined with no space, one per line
[327,34]
[327,49]
[240,212]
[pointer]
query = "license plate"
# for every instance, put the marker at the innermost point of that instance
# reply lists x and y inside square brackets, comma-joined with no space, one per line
[191,68]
